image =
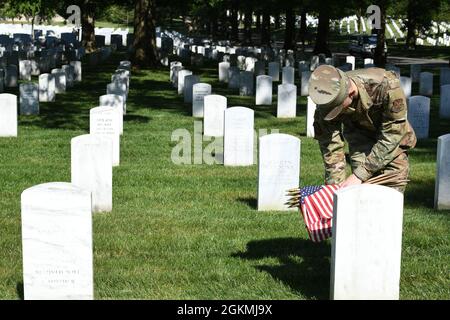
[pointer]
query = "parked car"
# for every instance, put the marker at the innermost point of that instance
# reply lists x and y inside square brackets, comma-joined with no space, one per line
[364,45]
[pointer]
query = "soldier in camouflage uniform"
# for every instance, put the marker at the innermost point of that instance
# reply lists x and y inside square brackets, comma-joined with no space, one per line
[368,108]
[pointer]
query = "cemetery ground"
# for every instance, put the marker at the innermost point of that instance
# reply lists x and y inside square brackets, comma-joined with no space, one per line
[192,231]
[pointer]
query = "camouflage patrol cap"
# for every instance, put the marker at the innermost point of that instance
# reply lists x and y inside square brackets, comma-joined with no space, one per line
[328,88]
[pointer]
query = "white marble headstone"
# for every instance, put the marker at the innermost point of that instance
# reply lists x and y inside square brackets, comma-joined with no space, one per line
[91,168]
[274,71]
[238,136]
[310,110]
[189,82]
[306,75]
[263,90]
[426,84]
[11,75]
[60,80]
[287,101]
[214,113]
[25,70]
[29,98]
[114,101]
[351,60]
[181,79]
[444,108]
[246,83]
[57,242]
[442,189]
[406,84]
[46,87]
[233,78]
[78,70]
[199,91]
[419,115]
[444,76]
[223,71]
[8,115]
[415,72]
[367,243]
[103,121]
[288,75]
[278,170]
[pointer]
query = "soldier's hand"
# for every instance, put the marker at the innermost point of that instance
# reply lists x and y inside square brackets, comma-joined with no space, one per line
[350,181]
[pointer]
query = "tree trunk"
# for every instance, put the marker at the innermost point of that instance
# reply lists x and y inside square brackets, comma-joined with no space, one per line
[302,33]
[277,21]
[234,21]
[323,30]
[88,26]
[380,56]
[411,26]
[265,30]
[258,22]
[248,26]
[144,54]
[289,34]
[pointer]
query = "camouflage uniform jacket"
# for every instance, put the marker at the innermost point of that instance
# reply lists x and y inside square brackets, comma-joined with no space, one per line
[375,127]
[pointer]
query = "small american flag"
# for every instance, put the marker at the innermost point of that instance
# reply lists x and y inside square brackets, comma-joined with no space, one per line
[316,205]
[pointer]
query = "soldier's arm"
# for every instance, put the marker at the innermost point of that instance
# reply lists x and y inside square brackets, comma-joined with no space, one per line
[393,130]
[331,143]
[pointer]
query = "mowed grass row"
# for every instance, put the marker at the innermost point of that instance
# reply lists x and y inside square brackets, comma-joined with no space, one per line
[192,231]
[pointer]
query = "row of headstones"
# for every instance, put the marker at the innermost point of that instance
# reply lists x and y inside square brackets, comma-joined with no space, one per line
[31,94]
[57,217]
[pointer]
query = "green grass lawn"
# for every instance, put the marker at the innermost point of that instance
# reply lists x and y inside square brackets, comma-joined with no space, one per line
[192,231]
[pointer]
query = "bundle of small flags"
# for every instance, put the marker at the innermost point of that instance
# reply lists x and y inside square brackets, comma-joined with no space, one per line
[316,207]
[316,203]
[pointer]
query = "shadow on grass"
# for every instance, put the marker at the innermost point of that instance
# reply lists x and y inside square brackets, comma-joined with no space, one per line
[19,290]
[251,202]
[303,265]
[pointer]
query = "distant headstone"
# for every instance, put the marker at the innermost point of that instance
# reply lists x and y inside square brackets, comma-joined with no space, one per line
[310,110]
[415,72]
[288,75]
[238,136]
[426,84]
[246,83]
[233,78]
[91,168]
[406,84]
[181,76]
[351,60]
[287,101]
[103,121]
[11,76]
[199,91]
[189,82]
[367,243]
[314,63]
[444,76]
[442,189]
[25,70]
[29,98]
[70,75]
[116,102]
[223,71]
[274,71]
[260,68]
[278,170]
[444,108]
[57,242]
[60,80]
[8,115]
[305,83]
[263,90]
[214,113]
[77,70]
[419,115]
[47,87]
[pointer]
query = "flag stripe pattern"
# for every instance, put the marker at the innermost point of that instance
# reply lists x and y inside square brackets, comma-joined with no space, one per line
[316,206]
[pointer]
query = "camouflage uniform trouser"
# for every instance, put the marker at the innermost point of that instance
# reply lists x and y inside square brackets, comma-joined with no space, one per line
[399,164]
